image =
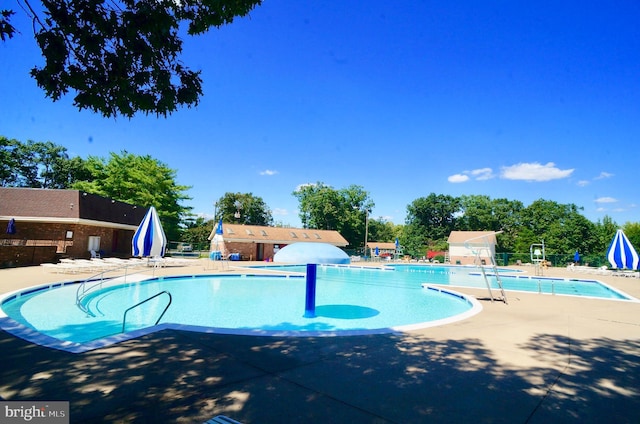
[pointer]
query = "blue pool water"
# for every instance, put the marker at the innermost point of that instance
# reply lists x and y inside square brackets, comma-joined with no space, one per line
[511,281]
[348,301]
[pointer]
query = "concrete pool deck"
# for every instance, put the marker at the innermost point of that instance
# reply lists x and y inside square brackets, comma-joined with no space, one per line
[539,359]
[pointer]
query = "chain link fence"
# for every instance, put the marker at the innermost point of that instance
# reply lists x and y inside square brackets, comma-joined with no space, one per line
[559,260]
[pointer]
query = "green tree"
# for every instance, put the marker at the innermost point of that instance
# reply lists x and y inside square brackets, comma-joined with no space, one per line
[38,165]
[139,180]
[605,230]
[632,231]
[122,57]
[9,162]
[197,232]
[243,208]
[345,210]
[382,230]
[561,226]
[481,213]
[429,220]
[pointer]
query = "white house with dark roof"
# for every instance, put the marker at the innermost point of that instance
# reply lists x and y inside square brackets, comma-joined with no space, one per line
[471,247]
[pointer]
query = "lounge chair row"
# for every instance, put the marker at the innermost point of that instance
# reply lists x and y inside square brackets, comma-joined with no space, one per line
[169,261]
[603,270]
[78,266]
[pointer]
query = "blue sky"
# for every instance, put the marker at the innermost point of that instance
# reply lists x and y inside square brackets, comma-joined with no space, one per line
[507,99]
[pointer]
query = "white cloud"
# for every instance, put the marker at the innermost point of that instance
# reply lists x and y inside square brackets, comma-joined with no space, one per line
[534,172]
[458,178]
[583,183]
[606,200]
[280,212]
[482,174]
[268,172]
[303,185]
[603,175]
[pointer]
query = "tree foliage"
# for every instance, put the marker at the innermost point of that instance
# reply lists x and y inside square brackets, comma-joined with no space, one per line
[429,219]
[632,231]
[140,180]
[325,208]
[197,232]
[38,165]
[121,57]
[382,230]
[243,208]
[561,227]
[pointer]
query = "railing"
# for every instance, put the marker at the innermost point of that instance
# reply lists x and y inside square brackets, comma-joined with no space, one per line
[486,247]
[124,317]
[84,289]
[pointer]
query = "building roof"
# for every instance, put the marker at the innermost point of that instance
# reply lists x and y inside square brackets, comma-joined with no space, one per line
[475,237]
[71,206]
[381,245]
[278,235]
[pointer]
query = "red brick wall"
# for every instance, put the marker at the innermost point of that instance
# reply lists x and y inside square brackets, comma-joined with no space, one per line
[249,251]
[34,255]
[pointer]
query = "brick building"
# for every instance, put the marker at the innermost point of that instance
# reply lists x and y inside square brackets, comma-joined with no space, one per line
[52,224]
[257,243]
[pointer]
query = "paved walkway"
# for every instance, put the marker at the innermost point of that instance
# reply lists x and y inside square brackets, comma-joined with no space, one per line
[539,359]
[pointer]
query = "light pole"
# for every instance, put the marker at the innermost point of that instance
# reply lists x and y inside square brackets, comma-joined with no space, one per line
[215,213]
[366,230]
[238,206]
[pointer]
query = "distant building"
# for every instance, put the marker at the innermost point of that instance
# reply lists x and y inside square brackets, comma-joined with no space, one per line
[385,249]
[471,247]
[258,243]
[52,224]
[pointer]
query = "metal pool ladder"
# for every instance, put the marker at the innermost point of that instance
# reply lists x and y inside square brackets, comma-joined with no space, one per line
[124,316]
[477,249]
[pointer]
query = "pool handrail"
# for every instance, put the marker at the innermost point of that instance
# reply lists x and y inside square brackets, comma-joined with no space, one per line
[480,262]
[82,291]
[124,316]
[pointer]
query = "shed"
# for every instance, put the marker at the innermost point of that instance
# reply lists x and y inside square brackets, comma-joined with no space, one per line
[471,247]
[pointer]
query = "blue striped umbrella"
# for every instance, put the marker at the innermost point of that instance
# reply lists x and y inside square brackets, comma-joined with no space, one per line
[149,239]
[621,253]
[11,226]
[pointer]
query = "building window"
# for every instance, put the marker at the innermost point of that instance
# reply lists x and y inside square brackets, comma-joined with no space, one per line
[264,233]
[305,235]
[94,243]
[293,235]
[69,235]
[317,236]
[249,232]
[230,231]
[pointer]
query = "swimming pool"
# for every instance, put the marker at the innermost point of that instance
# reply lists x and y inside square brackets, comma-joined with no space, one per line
[511,281]
[349,301]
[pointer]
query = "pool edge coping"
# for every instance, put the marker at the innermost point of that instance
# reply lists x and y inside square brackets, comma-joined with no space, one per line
[31,335]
